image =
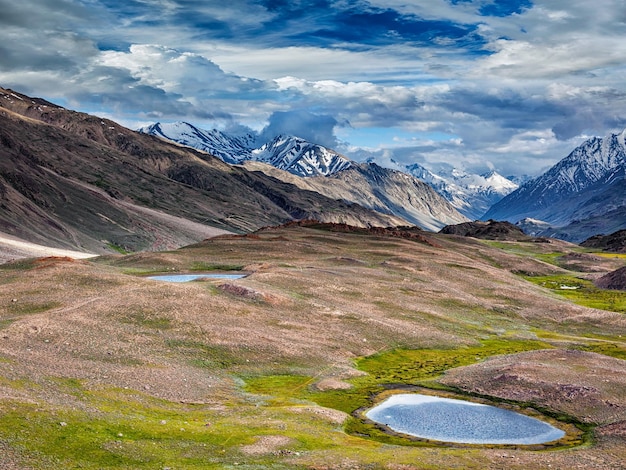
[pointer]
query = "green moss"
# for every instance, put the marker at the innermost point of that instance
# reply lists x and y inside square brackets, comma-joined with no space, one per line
[415,366]
[127,431]
[582,292]
[289,387]
[26,308]
[399,367]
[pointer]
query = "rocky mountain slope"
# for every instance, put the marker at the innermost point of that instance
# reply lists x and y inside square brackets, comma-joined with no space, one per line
[578,194]
[472,195]
[316,168]
[615,280]
[288,153]
[381,189]
[71,180]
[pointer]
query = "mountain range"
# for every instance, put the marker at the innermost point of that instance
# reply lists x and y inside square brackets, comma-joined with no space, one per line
[582,195]
[75,181]
[316,168]
[381,189]
[289,153]
[470,194]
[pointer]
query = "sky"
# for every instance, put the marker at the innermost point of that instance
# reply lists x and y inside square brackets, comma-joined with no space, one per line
[480,85]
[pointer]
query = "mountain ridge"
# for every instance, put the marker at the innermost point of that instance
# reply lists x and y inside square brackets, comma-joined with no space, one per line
[317,168]
[377,188]
[289,153]
[588,183]
[472,195]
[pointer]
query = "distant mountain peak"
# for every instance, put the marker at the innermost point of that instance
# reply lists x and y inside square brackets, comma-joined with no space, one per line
[231,149]
[300,157]
[587,184]
[290,153]
[471,194]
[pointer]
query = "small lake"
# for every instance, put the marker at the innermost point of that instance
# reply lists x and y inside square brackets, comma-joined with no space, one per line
[459,421]
[193,277]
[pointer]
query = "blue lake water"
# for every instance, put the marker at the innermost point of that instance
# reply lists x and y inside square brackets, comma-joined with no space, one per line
[459,421]
[193,277]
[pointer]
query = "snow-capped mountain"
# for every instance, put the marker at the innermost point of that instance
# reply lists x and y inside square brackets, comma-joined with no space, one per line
[231,149]
[300,157]
[588,183]
[533,227]
[472,195]
[288,153]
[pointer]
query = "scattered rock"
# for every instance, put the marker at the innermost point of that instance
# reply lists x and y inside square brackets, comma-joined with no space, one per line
[241,291]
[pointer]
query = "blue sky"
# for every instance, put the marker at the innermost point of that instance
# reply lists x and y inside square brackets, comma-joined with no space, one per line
[476,84]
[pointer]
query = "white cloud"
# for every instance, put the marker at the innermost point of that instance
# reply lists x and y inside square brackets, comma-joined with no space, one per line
[549,75]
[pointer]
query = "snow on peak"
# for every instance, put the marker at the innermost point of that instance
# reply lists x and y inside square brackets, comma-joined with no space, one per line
[471,194]
[289,153]
[300,157]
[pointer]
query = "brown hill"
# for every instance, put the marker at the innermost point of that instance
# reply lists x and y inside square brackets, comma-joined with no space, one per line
[71,180]
[615,280]
[613,243]
[490,230]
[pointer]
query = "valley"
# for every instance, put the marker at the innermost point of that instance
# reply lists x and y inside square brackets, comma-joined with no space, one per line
[312,235]
[102,368]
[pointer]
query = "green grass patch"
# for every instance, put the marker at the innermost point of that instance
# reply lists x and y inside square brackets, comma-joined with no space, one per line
[5,323]
[402,369]
[26,308]
[582,292]
[531,250]
[607,349]
[205,355]
[118,249]
[399,367]
[606,345]
[203,266]
[146,318]
[18,265]
[127,430]
[611,255]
